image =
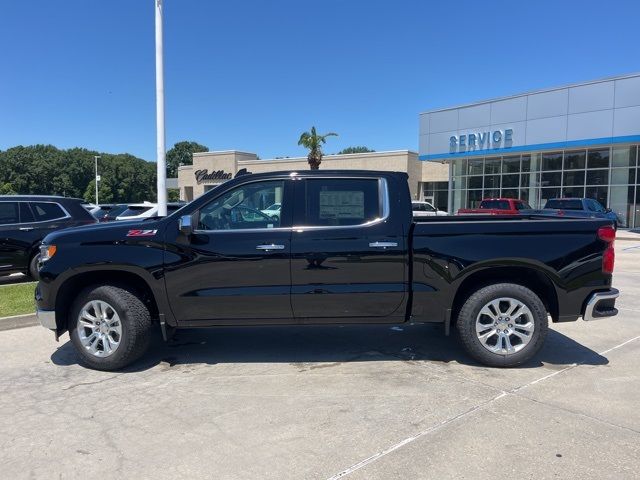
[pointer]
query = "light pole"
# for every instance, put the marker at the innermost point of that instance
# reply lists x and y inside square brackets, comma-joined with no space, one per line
[96,157]
[160,145]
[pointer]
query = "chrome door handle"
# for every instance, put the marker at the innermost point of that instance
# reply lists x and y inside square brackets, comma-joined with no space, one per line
[271,246]
[383,244]
[26,229]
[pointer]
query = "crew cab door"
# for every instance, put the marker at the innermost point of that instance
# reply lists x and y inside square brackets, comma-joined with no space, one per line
[348,253]
[235,266]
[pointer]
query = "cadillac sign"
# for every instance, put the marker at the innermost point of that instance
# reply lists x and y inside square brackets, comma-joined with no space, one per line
[205,176]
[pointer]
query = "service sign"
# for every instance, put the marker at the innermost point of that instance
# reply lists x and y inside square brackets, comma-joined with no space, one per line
[481,140]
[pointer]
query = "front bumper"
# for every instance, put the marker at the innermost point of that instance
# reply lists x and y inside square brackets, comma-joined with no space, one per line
[47,318]
[601,305]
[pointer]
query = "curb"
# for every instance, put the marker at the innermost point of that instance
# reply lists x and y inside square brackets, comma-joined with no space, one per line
[18,321]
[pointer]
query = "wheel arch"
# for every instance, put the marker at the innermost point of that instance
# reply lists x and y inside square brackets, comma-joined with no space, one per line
[529,277]
[72,286]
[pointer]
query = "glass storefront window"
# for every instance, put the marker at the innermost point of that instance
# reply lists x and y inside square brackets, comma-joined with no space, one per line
[573,177]
[474,198]
[551,179]
[598,158]
[573,192]
[547,193]
[510,181]
[624,156]
[475,182]
[492,181]
[491,194]
[621,202]
[575,160]
[552,161]
[606,174]
[636,210]
[491,165]
[459,167]
[476,166]
[511,164]
[623,176]
[599,193]
[597,177]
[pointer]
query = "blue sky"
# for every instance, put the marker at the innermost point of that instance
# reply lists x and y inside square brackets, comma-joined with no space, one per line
[252,75]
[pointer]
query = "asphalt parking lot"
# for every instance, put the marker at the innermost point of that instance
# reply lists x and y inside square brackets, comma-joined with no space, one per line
[330,402]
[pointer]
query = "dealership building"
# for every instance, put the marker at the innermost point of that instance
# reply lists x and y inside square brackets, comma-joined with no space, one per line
[427,180]
[579,140]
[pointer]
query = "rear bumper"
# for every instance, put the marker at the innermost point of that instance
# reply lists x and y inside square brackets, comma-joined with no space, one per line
[601,305]
[47,318]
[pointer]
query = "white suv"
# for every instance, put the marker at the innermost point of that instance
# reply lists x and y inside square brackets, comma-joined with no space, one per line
[425,209]
[138,211]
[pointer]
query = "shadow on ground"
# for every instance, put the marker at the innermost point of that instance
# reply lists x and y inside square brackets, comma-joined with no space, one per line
[305,346]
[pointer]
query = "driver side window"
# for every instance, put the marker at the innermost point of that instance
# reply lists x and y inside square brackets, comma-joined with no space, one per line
[248,206]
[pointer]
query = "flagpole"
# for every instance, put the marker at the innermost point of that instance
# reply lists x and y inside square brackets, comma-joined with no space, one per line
[160,141]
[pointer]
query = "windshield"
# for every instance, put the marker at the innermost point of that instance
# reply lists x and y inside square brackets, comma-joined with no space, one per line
[564,204]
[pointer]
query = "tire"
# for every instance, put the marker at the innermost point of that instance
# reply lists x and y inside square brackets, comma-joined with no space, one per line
[524,333]
[33,267]
[133,320]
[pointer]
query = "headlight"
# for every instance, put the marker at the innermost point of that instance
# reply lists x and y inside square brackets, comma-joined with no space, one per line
[46,252]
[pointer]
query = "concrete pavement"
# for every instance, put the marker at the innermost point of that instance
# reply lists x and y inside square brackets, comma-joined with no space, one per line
[330,402]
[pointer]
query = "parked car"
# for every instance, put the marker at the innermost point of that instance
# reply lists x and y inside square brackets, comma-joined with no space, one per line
[25,220]
[497,206]
[578,208]
[273,210]
[425,209]
[345,250]
[139,211]
[109,212]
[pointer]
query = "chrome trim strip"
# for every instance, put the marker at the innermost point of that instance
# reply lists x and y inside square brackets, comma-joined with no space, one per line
[47,318]
[593,301]
[383,244]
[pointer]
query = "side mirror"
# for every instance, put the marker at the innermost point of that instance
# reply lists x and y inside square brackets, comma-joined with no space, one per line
[185,224]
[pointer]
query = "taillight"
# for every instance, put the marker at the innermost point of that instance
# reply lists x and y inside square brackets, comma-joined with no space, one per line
[608,259]
[608,234]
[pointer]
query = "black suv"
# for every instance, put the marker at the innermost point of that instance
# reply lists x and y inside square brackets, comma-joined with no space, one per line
[25,220]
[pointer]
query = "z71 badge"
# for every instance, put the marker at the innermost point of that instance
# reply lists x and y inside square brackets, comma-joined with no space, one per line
[141,233]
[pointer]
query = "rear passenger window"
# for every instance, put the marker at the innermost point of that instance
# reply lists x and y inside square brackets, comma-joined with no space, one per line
[8,213]
[341,202]
[46,211]
[25,213]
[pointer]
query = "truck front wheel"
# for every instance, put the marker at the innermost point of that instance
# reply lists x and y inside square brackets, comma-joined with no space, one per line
[109,327]
[502,325]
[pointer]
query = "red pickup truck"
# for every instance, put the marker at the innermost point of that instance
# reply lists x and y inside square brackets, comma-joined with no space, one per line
[497,206]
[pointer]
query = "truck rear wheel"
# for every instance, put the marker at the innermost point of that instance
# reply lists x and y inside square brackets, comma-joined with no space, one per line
[502,325]
[109,327]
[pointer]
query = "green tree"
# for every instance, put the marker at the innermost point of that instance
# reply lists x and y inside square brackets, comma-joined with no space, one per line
[182,153]
[173,194]
[47,170]
[105,193]
[313,142]
[355,150]
[6,189]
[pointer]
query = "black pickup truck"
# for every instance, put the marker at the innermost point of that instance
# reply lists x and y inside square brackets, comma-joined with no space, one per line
[344,249]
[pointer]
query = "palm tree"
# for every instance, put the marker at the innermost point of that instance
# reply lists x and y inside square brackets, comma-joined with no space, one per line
[313,142]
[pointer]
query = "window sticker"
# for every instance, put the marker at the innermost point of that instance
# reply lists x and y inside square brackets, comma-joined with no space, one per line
[341,204]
